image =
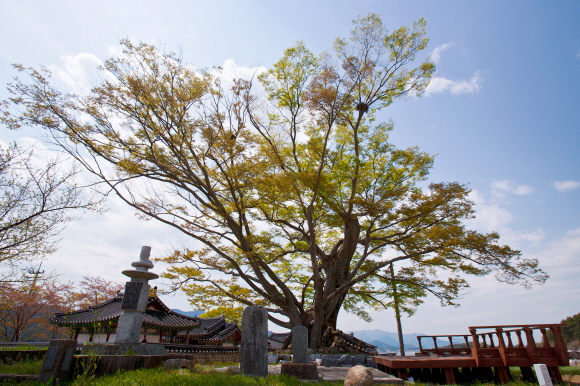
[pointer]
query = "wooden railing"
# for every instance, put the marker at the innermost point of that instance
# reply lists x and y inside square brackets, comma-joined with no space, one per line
[451,350]
[506,343]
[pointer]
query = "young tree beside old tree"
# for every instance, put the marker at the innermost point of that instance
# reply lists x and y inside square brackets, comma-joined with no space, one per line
[26,305]
[296,201]
[35,202]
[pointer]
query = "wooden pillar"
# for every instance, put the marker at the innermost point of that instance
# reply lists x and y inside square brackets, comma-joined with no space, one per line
[449,377]
[402,374]
[528,374]
[555,374]
[502,375]
[420,347]
[531,344]
[475,348]
[108,335]
[77,330]
[187,338]
[560,348]
[160,335]
[501,345]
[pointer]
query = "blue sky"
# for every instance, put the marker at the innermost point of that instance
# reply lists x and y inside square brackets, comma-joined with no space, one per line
[503,115]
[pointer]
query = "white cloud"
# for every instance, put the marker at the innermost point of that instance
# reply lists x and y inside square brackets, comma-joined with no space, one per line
[564,186]
[230,71]
[440,85]
[79,72]
[436,54]
[489,216]
[500,187]
[492,217]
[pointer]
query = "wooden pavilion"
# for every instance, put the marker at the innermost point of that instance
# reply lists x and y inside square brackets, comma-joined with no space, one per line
[160,325]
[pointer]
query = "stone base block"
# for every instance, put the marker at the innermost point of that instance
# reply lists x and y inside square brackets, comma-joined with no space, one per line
[123,349]
[129,327]
[300,370]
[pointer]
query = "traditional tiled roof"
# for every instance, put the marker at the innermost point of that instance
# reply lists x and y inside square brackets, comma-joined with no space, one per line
[208,326]
[279,337]
[213,330]
[157,314]
[228,331]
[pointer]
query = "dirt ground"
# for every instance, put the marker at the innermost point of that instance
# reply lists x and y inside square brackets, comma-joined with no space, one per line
[571,379]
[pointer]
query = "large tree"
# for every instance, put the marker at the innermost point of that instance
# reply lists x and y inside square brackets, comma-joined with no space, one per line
[294,198]
[36,199]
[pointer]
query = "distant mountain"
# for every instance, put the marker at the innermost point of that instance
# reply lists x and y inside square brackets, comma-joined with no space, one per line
[193,313]
[390,340]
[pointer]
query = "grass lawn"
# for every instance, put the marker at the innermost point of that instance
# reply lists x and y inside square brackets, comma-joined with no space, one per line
[202,375]
[30,366]
[199,376]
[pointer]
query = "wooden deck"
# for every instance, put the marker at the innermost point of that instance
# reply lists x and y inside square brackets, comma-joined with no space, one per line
[486,356]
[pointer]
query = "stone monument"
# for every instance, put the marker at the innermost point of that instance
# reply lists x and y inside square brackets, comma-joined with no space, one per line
[543,374]
[254,346]
[300,344]
[135,298]
[57,361]
[300,368]
[133,306]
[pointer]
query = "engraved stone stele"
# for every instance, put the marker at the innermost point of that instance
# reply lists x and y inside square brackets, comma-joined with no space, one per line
[254,345]
[300,344]
[543,374]
[57,361]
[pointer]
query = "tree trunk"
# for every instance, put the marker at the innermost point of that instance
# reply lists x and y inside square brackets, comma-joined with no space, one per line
[397,312]
[337,269]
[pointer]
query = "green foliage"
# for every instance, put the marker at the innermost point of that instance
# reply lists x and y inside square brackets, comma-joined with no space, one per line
[28,366]
[24,347]
[571,332]
[130,352]
[297,201]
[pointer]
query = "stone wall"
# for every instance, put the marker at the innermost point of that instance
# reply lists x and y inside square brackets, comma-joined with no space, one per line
[212,357]
[108,364]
